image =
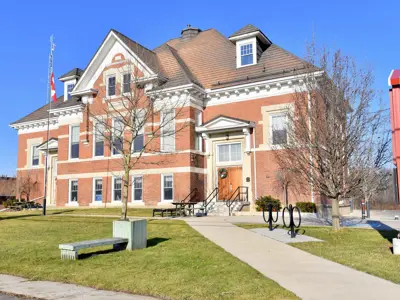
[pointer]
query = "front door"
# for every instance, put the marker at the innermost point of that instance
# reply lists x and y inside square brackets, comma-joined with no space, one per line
[52,180]
[229,179]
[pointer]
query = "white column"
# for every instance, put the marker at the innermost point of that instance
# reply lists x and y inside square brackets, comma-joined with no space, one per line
[246,133]
[206,139]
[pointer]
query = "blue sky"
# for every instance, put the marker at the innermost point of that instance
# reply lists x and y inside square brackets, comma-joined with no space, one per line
[367,32]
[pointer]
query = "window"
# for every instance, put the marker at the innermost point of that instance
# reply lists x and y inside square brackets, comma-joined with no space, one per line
[137,188]
[279,129]
[168,188]
[117,189]
[74,136]
[246,54]
[229,152]
[118,136]
[138,142]
[73,186]
[98,189]
[35,156]
[126,83]
[197,137]
[70,87]
[111,86]
[99,139]
[168,131]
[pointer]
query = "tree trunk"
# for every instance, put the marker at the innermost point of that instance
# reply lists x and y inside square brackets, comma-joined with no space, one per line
[124,210]
[285,190]
[335,214]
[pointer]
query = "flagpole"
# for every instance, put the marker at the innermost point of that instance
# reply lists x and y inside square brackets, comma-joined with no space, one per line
[50,71]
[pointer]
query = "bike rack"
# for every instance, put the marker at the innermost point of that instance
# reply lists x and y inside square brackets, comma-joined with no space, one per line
[270,217]
[292,225]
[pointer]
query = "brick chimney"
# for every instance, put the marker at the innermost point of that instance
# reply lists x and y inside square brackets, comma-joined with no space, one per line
[394,92]
[189,32]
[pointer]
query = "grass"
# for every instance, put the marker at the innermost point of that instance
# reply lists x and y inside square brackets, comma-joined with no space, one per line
[362,249]
[132,212]
[178,263]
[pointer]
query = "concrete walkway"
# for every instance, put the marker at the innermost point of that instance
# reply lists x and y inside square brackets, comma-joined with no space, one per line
[306,275]
[56,290]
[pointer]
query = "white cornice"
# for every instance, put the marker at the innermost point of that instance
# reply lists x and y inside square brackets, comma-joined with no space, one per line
[256,90]
[67,110]
[84,92]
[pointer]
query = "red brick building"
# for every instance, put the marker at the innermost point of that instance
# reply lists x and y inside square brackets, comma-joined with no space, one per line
[239,88]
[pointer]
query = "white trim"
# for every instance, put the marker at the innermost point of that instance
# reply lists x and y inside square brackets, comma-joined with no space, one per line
[70,144]
[122,74]
[72,203]
[250,41]
[112,139]
[112,188]
[94,190]
[162,188]
[133,190]
[31,154]
[66,84]
[136,172]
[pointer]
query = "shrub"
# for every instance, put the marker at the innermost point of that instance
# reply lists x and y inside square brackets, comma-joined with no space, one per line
[307,207]
[9,202]
[263,201]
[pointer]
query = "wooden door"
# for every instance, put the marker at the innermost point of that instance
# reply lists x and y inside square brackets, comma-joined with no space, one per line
[230,183]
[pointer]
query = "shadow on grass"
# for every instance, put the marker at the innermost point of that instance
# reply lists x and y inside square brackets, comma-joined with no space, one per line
[3,218]
[150,243]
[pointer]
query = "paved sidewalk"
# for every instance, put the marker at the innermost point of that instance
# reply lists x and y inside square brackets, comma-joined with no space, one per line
[306,275]
[58,290]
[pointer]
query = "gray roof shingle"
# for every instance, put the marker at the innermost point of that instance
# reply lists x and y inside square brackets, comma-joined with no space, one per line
[246,29]
[74,72]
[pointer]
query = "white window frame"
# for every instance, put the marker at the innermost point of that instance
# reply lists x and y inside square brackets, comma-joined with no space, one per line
[162,135]
[275,114]
[112,189]
[112,141]
[31,158]
[122,83]
[94,190]
[69,96]
[70,141]
[141,132]
[162,187]
[94,142]
[230,162]
[133,189]
[72,203]
[107,77]
[252,41]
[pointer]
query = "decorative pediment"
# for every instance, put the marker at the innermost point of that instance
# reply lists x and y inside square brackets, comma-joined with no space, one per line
[51,144]
[116,48]
[224,123]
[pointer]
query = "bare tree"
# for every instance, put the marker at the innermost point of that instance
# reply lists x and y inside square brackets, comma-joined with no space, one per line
[331,124]
[137,122]
[26,185]
[285,179]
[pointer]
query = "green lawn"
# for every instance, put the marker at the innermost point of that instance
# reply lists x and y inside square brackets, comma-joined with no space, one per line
[132,212]
[362,249]
[178,263]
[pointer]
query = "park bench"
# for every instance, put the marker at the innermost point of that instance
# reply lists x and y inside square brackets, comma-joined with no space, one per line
[70,251]
[164,210]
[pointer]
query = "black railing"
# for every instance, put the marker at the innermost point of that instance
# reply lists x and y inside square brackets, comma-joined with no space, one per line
[213,195]
[241,194]
[192,196]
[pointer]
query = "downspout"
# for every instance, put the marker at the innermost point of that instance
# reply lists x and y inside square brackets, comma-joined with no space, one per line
[255,163]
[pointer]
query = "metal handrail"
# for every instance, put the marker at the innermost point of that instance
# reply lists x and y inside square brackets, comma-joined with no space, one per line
[236,197]
[195,190]
[210,198]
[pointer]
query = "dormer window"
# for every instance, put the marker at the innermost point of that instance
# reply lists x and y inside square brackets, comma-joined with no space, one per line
[70,87]
[111,83]
[246,54]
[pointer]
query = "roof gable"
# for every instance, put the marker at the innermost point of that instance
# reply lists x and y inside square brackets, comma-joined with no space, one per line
[244,30]
[224,123]
[115,43]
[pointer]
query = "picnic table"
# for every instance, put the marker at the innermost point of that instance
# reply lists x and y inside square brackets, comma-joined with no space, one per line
[181,207]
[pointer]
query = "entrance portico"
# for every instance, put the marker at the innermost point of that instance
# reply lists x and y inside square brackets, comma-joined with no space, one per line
[228,152]
[52,146]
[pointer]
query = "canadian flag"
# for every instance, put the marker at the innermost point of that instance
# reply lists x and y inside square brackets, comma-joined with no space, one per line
[53,88]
